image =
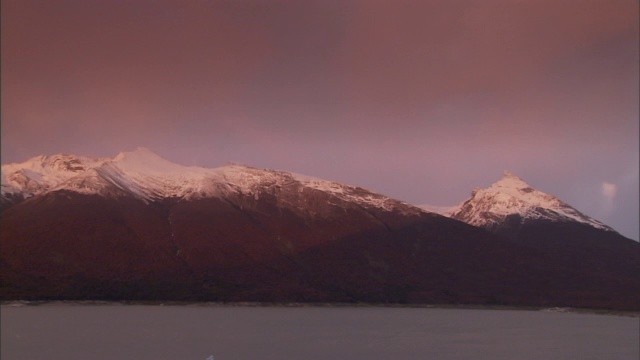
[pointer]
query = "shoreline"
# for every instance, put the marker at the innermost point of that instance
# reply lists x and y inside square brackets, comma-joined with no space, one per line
[21,303]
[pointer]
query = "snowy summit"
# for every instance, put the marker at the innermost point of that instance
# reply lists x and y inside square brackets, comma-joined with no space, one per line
[511,196]
[147,176]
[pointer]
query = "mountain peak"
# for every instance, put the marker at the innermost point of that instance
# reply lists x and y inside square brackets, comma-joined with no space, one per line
[144,160]
[509,180]
[507,173]
[139,153]
[511,196]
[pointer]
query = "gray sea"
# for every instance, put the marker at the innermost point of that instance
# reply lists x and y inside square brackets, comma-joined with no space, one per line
[215,332]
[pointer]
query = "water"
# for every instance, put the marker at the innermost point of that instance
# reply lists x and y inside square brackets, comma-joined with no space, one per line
[94,332]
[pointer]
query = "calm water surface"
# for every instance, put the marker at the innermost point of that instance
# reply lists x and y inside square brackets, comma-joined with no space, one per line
[93,332]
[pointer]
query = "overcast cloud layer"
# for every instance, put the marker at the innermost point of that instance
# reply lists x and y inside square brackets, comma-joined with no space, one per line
[419,100]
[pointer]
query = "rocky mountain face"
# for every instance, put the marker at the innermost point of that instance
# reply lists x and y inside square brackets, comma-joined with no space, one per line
[139,227]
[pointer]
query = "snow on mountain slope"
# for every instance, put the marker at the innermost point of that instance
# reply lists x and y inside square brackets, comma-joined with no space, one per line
[512,196]
[349,192]
[442,210]
[42,173]
[147,176]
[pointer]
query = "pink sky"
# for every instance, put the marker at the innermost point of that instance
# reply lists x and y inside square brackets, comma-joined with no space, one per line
[419,100]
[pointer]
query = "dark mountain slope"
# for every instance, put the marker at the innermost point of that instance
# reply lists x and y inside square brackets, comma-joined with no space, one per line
[69,246]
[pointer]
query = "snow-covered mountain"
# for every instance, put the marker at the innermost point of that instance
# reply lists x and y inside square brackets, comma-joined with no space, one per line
[148,177]
[512,201]
[138,226]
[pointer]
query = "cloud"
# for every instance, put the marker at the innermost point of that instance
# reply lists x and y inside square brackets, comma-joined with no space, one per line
[609,191]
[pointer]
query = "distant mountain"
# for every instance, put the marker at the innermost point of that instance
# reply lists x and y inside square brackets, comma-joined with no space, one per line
[139,227]
[511,201]
[514,210]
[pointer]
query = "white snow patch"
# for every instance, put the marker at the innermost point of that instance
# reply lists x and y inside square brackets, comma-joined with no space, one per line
[442,210]
[350,193]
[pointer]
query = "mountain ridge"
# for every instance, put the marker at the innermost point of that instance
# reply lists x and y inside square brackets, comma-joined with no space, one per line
[137,227]
[148,176]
